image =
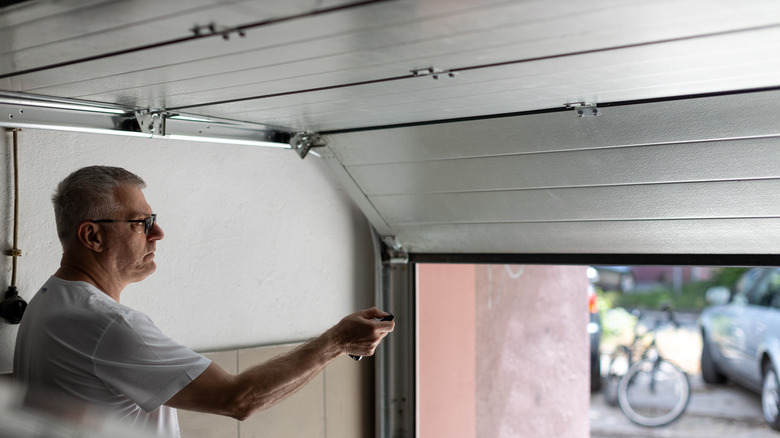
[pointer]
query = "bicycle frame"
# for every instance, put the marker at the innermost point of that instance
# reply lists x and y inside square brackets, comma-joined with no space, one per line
[654,365]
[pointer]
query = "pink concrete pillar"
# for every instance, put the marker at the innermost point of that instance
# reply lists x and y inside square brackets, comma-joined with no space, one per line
[503,351]
[532,351]
[446,349]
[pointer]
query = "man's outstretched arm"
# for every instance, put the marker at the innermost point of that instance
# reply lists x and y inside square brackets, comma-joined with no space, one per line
[262,386]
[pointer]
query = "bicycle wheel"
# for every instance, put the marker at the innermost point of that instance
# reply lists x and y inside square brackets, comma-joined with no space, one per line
[618,366]
[654,392]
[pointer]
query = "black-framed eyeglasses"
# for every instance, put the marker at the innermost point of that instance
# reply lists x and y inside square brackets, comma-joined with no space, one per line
[148,222]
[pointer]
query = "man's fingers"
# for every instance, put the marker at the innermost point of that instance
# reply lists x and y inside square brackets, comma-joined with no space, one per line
[386,324]
[372,313]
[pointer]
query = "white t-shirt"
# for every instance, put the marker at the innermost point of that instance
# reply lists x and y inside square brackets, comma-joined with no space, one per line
[75,342]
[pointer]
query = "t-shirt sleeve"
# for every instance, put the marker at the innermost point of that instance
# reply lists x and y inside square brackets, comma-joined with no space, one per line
[136,359]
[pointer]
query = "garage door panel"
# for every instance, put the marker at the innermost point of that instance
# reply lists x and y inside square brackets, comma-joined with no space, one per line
[379,34]
[83,30]
[723,117]
[265,61]
[745,236]
[546,83]
[641,202]
[690,162]
[509,57]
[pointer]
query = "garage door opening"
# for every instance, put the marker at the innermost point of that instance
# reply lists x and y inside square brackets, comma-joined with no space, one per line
[506,350]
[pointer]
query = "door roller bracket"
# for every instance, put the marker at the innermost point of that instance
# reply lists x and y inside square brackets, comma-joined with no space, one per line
[303,142]
[395,254]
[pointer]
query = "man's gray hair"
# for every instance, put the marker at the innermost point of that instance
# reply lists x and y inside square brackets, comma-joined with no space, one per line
[88,193]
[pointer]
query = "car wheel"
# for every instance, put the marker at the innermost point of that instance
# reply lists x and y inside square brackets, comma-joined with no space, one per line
[610,390]
[709,369]
[595,372]
[770,397]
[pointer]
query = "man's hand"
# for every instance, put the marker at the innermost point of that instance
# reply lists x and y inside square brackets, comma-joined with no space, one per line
[360,333]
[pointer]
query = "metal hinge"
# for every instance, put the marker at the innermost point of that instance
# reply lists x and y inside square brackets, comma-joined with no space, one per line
[152,121]
[302,142]
[584,109]
[215,29]
[433,72]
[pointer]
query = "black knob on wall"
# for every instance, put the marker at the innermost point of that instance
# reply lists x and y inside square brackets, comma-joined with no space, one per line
[13,306]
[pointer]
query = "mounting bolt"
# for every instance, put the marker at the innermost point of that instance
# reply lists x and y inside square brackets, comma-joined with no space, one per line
[584,109]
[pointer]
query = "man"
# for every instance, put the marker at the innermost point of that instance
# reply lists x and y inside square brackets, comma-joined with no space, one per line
[76,342]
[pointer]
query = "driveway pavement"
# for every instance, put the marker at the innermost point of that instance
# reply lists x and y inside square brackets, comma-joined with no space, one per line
[714,412]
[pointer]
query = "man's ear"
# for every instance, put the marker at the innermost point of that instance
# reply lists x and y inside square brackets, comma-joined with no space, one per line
[90,235]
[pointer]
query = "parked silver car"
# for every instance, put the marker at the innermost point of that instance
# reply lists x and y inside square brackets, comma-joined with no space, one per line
[741,337]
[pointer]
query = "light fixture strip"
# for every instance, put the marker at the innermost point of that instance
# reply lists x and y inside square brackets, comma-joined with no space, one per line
[60,103]
[224,131]
[20,111]
[18,115]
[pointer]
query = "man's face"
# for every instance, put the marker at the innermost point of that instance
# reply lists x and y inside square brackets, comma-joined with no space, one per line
[128,251]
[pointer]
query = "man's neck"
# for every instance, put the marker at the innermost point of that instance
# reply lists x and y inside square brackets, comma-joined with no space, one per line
[74,273]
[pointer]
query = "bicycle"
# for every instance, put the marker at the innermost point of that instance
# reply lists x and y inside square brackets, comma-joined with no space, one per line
[650,390]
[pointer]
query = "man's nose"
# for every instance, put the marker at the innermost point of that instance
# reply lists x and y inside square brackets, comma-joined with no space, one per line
[156,233]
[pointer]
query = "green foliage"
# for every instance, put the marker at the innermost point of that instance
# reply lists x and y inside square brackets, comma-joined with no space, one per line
[615,322]
[727,276]
[690,298]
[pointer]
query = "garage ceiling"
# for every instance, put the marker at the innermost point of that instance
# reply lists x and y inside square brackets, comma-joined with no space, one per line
[453,123]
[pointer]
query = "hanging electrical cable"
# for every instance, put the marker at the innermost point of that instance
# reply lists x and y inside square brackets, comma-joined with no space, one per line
[12,307]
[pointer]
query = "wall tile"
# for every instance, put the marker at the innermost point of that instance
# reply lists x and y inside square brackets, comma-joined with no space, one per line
[301,415]
[349,407]
[198,425]
[337,403]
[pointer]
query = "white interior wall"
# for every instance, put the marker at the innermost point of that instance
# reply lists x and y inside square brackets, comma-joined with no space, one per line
[260,246]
